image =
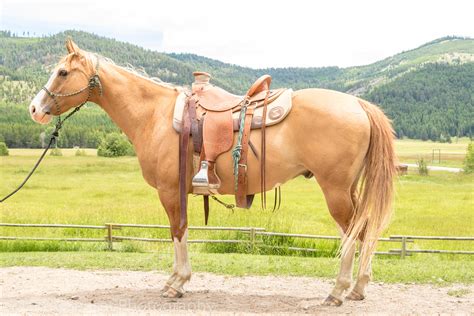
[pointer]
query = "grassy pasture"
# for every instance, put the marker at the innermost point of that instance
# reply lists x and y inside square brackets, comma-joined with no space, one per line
[451,155]
[96,190]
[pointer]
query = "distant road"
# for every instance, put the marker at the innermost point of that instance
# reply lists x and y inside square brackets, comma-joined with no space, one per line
[434,168]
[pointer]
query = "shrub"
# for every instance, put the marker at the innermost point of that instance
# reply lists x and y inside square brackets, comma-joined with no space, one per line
[422,167]
[445,138]
[56,152]
[115,145]
[80,152]
[3,149]
[469,160]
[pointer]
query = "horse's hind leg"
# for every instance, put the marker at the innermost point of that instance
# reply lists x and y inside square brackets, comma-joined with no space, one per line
[363,278]
[358,291]
[342,211]
[341,206]
[181,267]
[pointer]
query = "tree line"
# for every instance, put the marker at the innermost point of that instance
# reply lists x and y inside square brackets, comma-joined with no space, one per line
[434,102]
[85,129]
[430,101]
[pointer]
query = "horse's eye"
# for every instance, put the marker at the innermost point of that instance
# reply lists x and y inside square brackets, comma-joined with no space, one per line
[63,72]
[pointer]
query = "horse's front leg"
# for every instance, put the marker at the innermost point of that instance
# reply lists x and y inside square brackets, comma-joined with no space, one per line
[181,267]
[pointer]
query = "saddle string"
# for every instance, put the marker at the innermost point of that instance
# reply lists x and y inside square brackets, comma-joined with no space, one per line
[94,81]
[183,153]
[263,197]
[229,206]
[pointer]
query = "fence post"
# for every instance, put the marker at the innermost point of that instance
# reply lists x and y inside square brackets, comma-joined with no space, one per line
[403,253]
[252,239]
[109,236]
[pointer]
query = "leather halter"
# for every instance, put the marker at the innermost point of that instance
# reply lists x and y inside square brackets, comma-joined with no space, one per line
[94,81]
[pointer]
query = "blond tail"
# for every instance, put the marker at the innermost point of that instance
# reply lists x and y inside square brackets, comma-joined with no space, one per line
[374,207]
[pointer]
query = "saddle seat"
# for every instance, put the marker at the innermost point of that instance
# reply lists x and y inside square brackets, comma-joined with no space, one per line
[216,99]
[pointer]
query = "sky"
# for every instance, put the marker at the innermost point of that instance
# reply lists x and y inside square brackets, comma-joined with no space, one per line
[253,33]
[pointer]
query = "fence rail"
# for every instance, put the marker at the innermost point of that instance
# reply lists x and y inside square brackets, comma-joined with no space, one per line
[254,232]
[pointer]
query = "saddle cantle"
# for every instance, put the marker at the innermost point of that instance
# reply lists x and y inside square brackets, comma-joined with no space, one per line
[211,115]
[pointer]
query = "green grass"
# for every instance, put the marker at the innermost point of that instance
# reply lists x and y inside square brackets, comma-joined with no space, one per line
[424,270]
[451,155]
[95,190]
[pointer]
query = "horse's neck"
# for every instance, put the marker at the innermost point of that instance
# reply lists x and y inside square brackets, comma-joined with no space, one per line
[134,102]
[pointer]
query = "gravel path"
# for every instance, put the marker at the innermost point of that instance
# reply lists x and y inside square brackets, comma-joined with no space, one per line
[28,290]
[435,168]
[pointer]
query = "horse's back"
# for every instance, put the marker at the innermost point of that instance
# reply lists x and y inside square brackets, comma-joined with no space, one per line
[339,105]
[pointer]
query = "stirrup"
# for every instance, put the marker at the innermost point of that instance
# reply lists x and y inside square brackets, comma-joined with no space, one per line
[201,179]
[201,183]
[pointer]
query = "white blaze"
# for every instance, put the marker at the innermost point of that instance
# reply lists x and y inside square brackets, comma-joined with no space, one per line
[39,113]
[42,96]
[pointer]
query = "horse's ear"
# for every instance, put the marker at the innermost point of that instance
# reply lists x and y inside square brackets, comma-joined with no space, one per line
[72,47]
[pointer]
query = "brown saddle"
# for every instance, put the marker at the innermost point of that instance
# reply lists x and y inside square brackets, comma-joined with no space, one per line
[216,99]
[208,117]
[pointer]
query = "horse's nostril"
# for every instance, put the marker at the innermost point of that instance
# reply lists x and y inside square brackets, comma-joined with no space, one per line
[33,109]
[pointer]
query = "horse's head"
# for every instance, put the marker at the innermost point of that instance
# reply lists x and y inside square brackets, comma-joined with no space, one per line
[70,85]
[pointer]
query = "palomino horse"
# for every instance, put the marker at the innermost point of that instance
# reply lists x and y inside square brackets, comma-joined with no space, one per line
[339,138]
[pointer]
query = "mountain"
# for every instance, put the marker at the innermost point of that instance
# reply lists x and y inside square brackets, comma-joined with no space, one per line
[355,80]
[427,91]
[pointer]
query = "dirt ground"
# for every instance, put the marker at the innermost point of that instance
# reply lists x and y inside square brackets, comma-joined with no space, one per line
[28,290]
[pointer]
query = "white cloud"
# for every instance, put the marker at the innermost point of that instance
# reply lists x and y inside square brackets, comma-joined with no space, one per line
[255,33]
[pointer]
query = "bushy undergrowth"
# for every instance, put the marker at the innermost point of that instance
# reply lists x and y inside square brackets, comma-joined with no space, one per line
[56,152]
[3,149]
[469,160]
[422,167]
[115,145]
[80,152]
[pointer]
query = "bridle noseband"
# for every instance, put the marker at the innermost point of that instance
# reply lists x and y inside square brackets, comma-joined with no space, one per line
[94,81]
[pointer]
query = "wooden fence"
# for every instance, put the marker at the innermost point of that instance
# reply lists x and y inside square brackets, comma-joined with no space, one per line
[253,240]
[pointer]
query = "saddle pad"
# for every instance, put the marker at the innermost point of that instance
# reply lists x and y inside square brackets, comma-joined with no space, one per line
[276,111]
[178,111]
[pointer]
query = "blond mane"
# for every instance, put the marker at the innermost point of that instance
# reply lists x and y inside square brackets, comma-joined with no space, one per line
[140,72]
[137,71]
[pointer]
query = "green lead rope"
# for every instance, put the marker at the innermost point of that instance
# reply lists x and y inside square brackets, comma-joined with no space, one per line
[237,151]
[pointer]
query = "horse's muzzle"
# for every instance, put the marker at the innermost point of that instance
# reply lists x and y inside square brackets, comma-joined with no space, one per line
[40,115]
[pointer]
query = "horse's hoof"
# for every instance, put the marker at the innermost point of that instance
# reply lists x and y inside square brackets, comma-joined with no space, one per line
[165,288]
[332,301]
[172,293]
[354,296]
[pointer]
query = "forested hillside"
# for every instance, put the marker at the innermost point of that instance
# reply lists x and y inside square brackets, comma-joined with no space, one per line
[85,129]
[433,102]
[428,92]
